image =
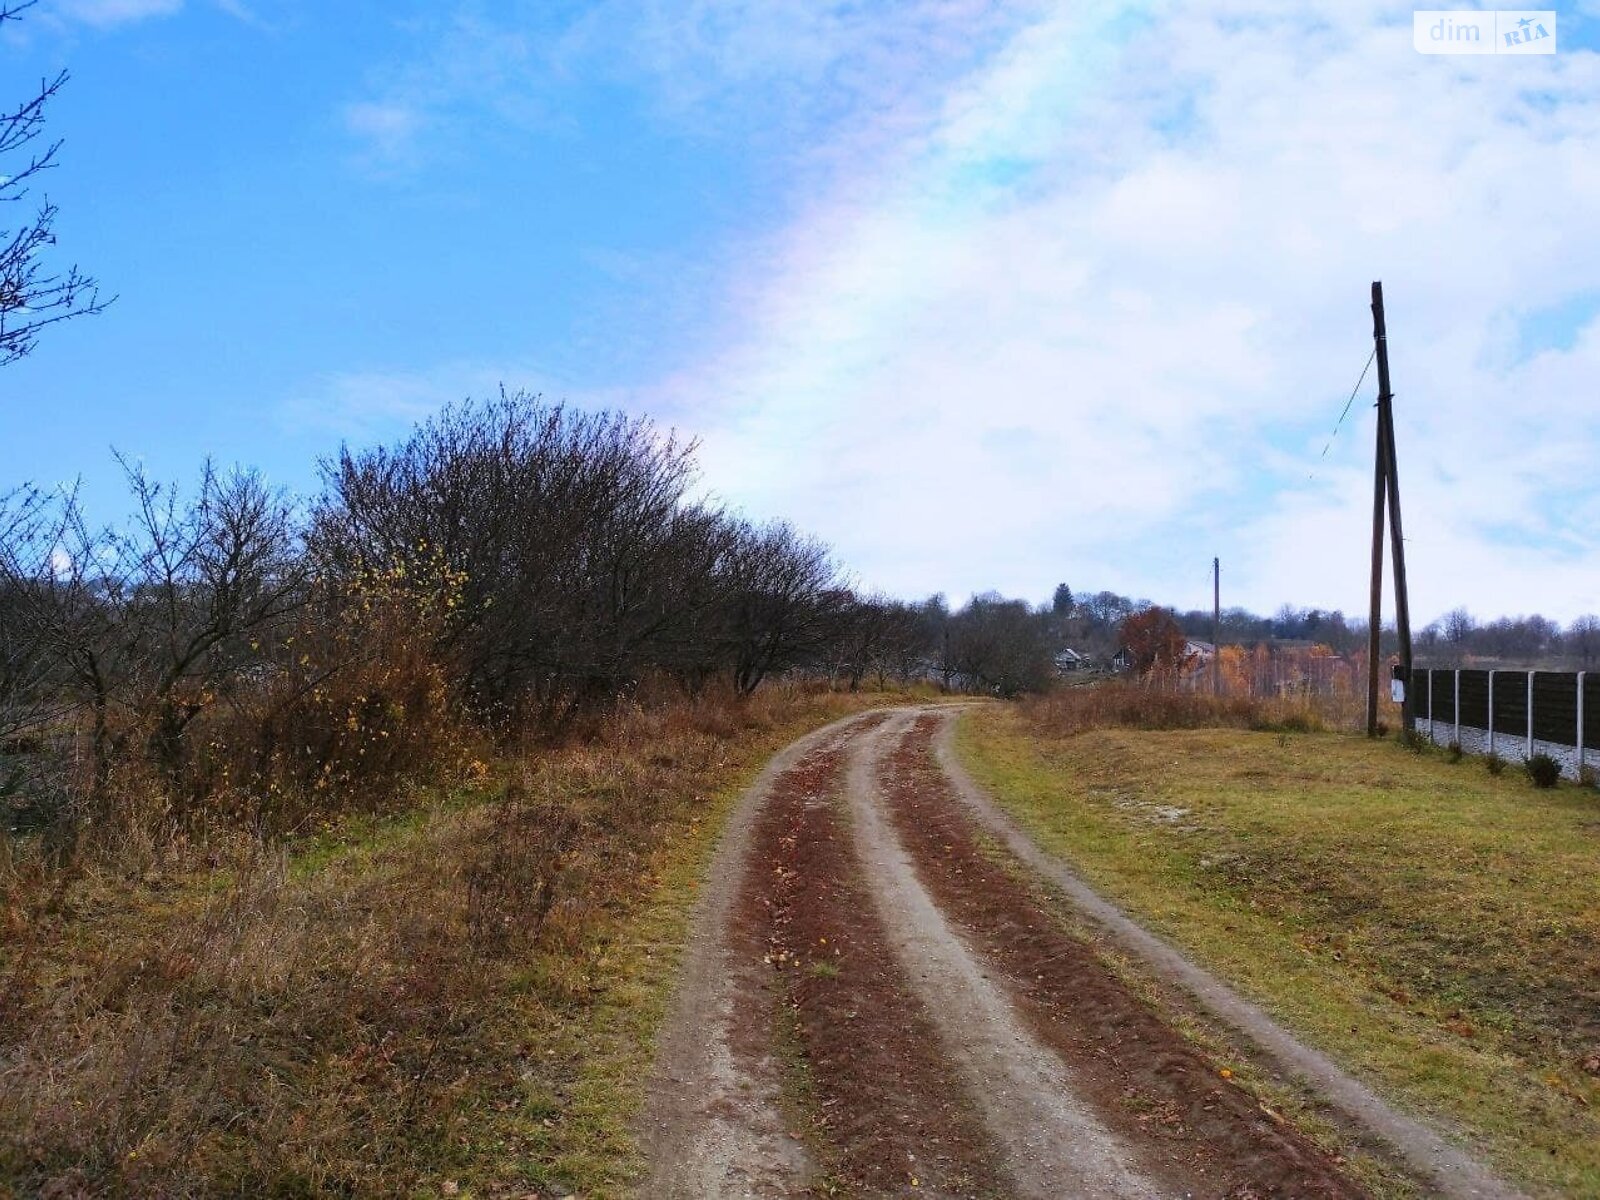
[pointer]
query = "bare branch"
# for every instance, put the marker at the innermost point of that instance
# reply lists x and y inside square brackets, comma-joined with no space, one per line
[33,297]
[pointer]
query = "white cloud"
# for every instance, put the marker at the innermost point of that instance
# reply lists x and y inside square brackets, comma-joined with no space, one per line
[472,68]
[387,130]
[773,72]
[789,65]
[111,14]
[1094,320]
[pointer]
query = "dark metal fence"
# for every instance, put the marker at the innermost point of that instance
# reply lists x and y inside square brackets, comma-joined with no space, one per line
[1515,714]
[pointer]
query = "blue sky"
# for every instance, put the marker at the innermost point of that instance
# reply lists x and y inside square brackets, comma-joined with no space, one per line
[987,295]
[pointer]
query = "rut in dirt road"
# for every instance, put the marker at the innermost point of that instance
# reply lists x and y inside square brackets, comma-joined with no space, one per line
[870,1007]
[882,1112]
[787,963]
[1053,1144]
[713,1124]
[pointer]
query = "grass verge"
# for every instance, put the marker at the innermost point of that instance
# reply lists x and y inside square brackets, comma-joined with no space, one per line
[1434,928]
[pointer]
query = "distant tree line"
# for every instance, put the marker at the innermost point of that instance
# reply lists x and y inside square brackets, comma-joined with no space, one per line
[1458,636]
[1095,623]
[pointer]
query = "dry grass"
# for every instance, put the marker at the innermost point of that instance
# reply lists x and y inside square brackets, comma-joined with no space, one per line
[1119,704]
[458,994]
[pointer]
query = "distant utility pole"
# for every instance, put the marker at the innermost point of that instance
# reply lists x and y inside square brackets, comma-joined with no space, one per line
[1386,491]
[1216,627]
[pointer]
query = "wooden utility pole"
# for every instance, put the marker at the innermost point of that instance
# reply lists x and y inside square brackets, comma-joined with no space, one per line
[1386,489]
[1402,591]
[1216,627]
[1375,599]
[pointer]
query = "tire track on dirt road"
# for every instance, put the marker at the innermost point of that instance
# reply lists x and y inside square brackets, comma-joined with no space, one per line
[1052,1143]
[869,1081]
[713,1124]
[1447,1170]
[796,1060]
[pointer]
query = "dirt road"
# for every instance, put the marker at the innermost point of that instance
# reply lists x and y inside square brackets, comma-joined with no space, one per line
[880,999]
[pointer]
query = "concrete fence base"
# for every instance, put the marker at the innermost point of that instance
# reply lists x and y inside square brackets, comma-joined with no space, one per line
[1512,749]
[1515,714]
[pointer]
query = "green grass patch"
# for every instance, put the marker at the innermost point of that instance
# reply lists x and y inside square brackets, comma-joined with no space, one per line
[356,837]
[1434,928]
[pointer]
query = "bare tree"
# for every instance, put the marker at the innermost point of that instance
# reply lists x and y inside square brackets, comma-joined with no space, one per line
[781,604]
[934,627]
[21,664]
[211,583]
[582,564]
[1001,646]
[147,625]
[872,635]
[26,700]
[1583,639]
[65,583]
[31,296]
[1428,637]
[1458,626]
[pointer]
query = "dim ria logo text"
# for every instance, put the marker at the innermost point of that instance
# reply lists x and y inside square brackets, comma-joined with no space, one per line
[1471,31]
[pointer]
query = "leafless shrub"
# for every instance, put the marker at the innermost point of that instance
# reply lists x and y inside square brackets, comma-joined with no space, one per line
[219,1017]
[779,603]
[999,646]
[512,570]
[354,707]
[147,625]
[584,566]
[875,636]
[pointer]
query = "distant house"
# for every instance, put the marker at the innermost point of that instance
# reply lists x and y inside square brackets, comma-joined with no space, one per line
[1069,661]
[1195,654]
